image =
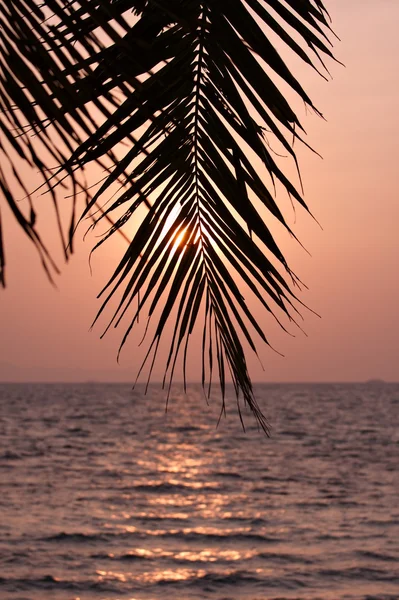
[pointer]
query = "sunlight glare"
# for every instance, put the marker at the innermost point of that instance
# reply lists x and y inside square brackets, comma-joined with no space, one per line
[170,221]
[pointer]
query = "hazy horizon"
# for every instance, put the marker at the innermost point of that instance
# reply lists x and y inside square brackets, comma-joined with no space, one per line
[10,373]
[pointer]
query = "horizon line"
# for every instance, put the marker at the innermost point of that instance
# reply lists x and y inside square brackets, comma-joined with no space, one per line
[88,381]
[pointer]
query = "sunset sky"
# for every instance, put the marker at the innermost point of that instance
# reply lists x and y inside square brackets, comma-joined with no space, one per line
[352,273]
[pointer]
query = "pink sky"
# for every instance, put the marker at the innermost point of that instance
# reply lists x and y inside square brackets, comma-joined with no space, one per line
[353,272]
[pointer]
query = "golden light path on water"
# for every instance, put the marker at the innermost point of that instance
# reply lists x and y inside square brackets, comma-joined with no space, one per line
[178,466]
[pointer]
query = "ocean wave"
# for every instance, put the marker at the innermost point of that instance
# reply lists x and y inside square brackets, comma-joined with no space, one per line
[158,519]
[216,579]
[170,488]
[14,558]
[286,558]
[127,557]
[377,556]
[187,428]
[181,534]
[221,535]
[382,597]
[43,583]
[77,537]
[11,455]
[209,582]
[51,583]
[361,573]
[227,474]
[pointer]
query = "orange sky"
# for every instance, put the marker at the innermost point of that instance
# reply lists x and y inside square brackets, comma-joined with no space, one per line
[353,272]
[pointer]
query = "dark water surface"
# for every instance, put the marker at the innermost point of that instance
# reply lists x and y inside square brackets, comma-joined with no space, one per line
[103,496]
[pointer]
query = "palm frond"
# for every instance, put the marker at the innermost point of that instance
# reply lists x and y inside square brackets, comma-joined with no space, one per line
[185,98]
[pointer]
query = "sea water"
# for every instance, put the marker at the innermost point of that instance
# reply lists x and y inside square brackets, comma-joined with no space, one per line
[104,496]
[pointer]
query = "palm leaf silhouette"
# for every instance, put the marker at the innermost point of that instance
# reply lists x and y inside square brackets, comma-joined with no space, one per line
[176,100]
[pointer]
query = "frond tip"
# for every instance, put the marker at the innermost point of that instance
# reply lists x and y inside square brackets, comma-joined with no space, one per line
[187,89]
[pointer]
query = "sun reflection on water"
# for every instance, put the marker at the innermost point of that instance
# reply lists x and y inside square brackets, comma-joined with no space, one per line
[165,575]
[214,555]
[180,483]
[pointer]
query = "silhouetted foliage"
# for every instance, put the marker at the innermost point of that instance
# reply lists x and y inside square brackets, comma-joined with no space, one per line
[177,101]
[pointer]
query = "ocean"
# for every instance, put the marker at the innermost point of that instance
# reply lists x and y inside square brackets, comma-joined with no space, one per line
[104,496]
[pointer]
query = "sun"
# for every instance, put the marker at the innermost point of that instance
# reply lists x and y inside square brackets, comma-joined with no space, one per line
[180,235]
[186,234]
